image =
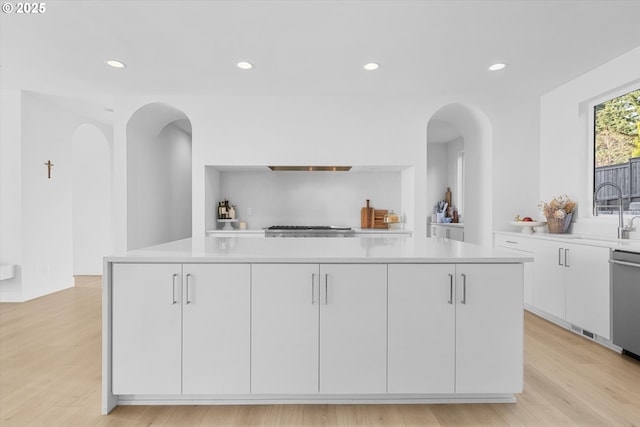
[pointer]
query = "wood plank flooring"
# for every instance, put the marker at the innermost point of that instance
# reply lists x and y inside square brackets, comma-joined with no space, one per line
[50,375]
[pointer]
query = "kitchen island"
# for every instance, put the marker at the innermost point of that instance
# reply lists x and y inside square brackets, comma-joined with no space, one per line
[312,320]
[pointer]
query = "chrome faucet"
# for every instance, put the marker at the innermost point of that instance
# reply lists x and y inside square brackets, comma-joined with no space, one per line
[623,233]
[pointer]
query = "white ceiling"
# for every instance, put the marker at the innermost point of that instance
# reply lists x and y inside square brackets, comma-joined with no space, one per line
[303,47]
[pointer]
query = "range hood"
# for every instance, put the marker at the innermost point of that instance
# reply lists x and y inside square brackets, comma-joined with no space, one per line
[311,168]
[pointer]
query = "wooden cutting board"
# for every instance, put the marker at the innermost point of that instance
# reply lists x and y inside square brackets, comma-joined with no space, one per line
[378,218]
[366,216]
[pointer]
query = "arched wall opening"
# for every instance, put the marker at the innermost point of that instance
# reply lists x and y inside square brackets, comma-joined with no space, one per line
[469,126]
[91,199]
[159,165]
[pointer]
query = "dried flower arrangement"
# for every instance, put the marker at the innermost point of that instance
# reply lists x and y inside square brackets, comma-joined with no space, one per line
[559,207]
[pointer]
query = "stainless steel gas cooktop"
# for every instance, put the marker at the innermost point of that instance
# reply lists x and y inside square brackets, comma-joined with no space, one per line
[308,231]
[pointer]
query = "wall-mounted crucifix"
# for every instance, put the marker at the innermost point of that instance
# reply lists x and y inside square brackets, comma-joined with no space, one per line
[49,165]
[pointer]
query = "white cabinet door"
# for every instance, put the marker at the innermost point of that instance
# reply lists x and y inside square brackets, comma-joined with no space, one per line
[587,288]
[421,345]
[216,329]
[284,328]
[548,276]
[146,313]
[489,328]
[353,328]
[525,245]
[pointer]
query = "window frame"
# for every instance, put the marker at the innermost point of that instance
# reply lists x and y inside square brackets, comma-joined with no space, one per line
[591,137]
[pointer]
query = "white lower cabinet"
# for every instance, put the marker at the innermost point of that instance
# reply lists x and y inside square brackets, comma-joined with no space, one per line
[147,329]
[569,281]
[489,328]
[587,288]
[549,282]
[421,328]
[353,328]
[522,245]
[318,328]
[455,328]
[284,328]
[216,329]
[181,329]
[328,329]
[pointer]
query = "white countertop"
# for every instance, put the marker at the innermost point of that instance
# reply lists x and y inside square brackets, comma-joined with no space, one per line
[381,231]
[584,239]
[320,250]
[238,231]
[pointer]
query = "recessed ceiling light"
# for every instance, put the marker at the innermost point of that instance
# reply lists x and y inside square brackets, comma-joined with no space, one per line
[496,67]
[371,66]
[116,64]
[244,65]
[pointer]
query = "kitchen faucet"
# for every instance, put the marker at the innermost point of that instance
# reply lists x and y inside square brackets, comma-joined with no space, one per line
[623,232]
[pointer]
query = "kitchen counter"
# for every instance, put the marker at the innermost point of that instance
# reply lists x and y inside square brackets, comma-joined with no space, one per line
[227,320]
[632,245]
[236,232]
[325,250]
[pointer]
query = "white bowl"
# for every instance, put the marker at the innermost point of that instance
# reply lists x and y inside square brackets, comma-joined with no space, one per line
[527,226]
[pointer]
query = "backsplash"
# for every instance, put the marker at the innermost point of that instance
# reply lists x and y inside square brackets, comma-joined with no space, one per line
[307,198]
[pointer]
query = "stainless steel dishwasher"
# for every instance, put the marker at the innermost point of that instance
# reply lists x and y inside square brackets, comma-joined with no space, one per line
[625,301]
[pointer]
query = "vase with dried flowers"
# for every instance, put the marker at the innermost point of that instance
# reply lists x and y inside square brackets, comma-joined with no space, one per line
[558,212]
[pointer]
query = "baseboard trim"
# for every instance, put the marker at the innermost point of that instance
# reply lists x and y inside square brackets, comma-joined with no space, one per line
[317,400]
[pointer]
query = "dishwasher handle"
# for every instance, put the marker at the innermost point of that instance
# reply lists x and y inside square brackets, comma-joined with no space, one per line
[627,264]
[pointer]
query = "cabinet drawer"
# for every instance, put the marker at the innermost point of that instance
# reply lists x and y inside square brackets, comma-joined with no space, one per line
[513,242]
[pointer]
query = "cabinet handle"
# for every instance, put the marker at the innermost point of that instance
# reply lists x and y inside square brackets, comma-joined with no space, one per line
[464,289]
[450,289]
[326,289]
[187,286]
[173,288]
[560,257]
[446,233]
[511,241]
[566,258]
[313,288]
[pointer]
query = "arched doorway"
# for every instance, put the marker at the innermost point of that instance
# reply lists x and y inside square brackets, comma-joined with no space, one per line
[158,176]
[469,128]
[91,195]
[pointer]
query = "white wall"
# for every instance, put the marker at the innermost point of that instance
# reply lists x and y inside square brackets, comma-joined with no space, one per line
[453,150]
[158,181]
[516,161]
[253,131]
[308,198]
[565,147]
[437,173]
[43,244]
[11,191]
[91,178]
[178,144]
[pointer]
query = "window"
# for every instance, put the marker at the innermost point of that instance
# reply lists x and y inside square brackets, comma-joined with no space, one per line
[617,152]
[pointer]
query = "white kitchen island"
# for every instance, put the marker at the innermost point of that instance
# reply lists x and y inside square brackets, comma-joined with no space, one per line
[312,320]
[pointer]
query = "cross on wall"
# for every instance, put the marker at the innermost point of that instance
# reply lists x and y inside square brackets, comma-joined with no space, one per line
[49,165]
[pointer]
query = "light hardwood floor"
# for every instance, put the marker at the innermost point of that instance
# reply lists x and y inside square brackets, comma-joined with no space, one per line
[50,355]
